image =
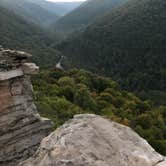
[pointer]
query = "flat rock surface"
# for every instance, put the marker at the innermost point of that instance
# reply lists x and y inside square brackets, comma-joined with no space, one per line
[10,74]
[90,140]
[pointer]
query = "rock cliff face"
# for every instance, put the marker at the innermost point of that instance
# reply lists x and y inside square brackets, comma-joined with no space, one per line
[21,127]
[89,140]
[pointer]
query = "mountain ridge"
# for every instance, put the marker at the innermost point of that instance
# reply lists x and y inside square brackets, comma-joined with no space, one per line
[16,33]
[59,8]
[85,14]
[127,44]
[31,12]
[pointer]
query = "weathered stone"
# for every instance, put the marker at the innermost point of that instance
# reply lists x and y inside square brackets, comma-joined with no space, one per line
[90,140]
[163,163]
[30,68]
[6,75]
[11,59]
[16,88]
[21,127]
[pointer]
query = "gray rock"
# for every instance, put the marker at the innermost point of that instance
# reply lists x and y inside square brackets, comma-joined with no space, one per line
[90,140]
[21,127]
[30,68]
[12,59]
[162,163]
[5,75]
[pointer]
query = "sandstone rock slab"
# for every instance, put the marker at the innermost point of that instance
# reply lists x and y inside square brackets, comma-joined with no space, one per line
[21,127]
[11,74]
[90,140]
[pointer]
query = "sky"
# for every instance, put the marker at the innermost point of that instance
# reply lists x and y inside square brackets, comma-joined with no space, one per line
[65,0]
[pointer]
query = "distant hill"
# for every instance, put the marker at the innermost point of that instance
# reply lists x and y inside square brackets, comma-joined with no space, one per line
[59,8]
[129,44]
[31,12]
[88,12]
[17,33]
[68,6]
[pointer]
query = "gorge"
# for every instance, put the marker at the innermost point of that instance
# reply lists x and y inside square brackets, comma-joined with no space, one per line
[87,139]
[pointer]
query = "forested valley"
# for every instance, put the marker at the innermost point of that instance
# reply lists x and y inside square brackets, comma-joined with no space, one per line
[111,58]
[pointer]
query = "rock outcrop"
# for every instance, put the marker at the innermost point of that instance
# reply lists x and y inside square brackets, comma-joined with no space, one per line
[21,127]
[90,140]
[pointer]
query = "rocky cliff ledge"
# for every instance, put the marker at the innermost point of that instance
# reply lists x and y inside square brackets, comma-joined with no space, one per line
[21,127]
[89,140]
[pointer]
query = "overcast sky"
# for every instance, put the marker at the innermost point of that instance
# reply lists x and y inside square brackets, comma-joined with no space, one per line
[65,0]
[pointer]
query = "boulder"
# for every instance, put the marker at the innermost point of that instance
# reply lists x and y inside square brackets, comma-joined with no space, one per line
[90,140]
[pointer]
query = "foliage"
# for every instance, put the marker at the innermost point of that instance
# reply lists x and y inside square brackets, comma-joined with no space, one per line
[62,94]
[15,33]
[128,44]
[31,12]
[85,14]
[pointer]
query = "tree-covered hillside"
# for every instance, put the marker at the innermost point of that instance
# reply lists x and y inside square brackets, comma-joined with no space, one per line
[61,94]
[86,14]
[129,44]
[31,12]
[15,33]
